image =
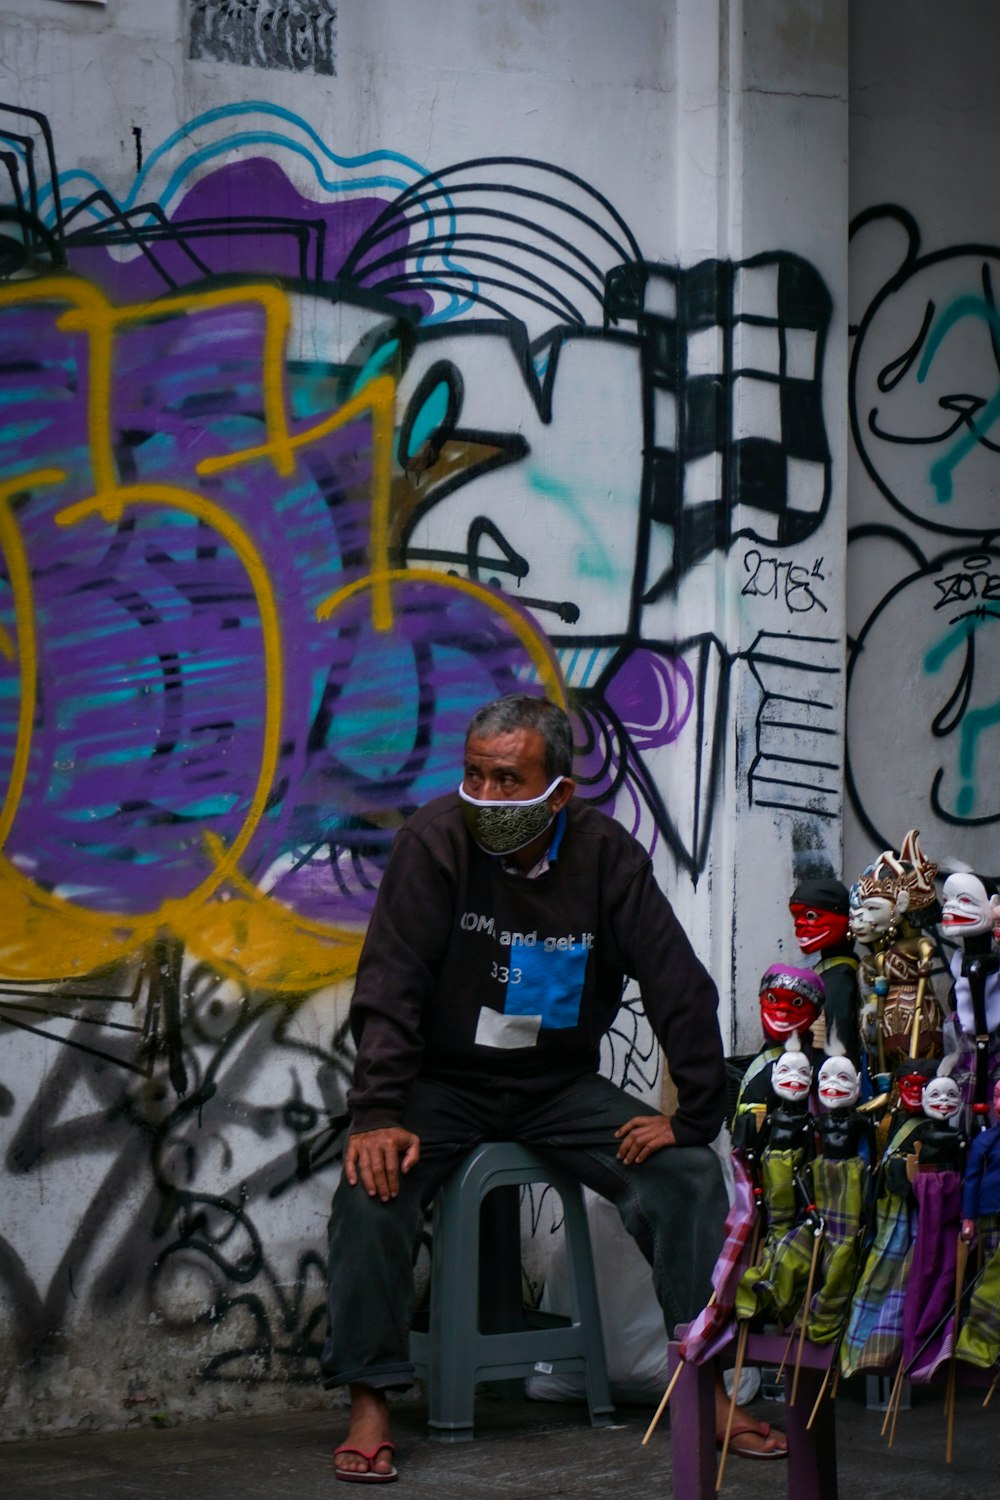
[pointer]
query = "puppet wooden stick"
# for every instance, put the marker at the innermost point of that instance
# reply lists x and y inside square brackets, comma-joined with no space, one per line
[817,1245]
[961,1257]
[669,1390]
[741,1349]
[897,1386]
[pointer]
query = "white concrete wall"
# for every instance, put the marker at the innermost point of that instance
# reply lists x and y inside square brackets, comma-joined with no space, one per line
[924,472]
[645,450]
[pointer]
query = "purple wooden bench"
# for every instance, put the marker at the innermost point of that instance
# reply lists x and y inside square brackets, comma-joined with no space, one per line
[812,1453]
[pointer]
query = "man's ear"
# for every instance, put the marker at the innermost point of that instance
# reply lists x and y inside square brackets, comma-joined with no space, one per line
[563,793]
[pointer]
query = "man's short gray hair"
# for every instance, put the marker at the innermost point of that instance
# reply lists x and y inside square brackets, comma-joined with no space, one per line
[523,711]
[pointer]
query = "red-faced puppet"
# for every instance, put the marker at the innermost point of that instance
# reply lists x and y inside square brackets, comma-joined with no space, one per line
[790,1001]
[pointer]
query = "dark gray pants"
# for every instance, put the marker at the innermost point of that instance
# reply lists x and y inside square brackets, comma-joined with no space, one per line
[673,1205]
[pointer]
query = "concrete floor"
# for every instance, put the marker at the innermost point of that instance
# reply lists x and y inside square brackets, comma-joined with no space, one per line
[523,1451]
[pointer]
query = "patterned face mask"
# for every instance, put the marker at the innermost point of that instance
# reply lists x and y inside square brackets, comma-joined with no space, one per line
[504,827]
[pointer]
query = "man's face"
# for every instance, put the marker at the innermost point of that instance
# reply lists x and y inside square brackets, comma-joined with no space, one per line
[510,800]
[507,767]
[817,928]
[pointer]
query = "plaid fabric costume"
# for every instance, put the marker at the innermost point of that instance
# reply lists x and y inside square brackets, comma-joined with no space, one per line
[839,1189]
[928,1316]
[874,1334]
[713,1328]
[979,1340]
[772,1285]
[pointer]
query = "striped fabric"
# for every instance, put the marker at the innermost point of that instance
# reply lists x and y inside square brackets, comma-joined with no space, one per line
[839,1190]
[979,1340]
[755,1292]
[874,1337]
[712,1329]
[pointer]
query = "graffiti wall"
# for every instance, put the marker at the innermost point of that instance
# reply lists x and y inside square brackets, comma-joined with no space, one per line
[924,406]
[303,456]
[924,597]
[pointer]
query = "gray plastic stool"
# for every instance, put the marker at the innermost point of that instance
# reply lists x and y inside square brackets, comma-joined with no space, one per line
[478,1328]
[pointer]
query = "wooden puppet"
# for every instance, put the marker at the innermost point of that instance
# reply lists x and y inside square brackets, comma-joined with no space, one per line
[790,1001]
[820,909]
[891,906]
[873,1338]
[969,916]
[840,1176]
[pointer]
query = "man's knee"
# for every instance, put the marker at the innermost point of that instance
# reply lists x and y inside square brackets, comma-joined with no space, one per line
[687,1180]
[358,1218]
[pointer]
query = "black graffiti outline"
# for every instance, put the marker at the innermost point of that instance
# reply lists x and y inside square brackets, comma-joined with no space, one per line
[925,567]
[912,264]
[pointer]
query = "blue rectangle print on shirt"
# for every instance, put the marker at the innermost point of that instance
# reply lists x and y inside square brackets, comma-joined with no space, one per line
[544,984]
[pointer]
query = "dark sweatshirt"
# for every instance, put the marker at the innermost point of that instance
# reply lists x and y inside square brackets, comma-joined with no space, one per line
[475,974]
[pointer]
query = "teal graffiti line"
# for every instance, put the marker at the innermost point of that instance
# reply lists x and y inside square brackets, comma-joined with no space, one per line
[380,180]
[938,654]
[971,306]
[246,107]
[591,560]
[974,720]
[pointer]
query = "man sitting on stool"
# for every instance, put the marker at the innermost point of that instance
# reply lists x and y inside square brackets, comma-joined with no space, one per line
[507,918]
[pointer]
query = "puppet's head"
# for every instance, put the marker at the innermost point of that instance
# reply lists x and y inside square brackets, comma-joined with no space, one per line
[821,912]
[838,1084]
[791,1075]
[912,1077]
[790,1001]
[894,887]
[942,1100]
[967,910]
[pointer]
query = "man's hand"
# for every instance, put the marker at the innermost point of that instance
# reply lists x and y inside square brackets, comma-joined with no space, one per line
[641,1136]
[374,1156]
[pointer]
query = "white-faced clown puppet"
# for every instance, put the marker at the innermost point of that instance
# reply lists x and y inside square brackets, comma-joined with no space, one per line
[775,1286]
[929,1295]
[840,1175]
[970,918]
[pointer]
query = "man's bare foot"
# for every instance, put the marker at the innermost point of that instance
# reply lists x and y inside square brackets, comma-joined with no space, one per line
[747,1437]
[369,1432]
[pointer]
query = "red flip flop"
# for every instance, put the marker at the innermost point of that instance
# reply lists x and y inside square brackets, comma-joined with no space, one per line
[369,1475]
[746,1429]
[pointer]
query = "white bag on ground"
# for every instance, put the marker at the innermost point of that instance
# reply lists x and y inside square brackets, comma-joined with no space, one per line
[635,1340]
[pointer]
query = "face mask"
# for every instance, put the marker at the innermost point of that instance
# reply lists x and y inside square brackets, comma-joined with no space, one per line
[504,827]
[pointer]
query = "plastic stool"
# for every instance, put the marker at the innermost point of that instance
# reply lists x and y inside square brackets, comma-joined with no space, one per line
[478,1328]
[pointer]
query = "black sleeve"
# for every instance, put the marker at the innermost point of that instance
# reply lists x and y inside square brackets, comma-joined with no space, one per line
[681,1002]
[397,973]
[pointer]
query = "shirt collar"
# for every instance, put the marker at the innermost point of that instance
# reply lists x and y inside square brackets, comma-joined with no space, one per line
[549,855]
